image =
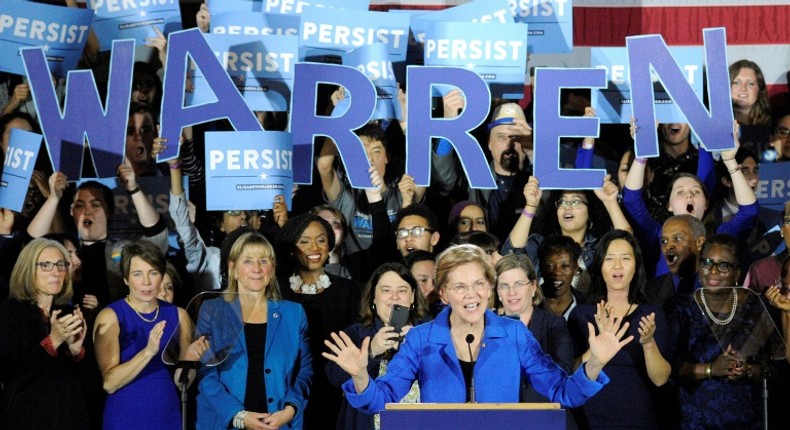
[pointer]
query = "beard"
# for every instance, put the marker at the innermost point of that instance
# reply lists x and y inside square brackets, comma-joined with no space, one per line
[509,160]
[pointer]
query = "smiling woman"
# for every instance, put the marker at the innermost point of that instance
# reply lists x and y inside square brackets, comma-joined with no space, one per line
[330,302]
[437,354]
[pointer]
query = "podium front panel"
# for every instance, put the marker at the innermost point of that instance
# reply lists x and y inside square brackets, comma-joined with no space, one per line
[473,419]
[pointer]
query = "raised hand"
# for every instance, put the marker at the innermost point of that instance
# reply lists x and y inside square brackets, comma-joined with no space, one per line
[280,210]
[203,18]
[647,328]
[729,154]
[159,43]
[407,188]
[126,175]
[350,358]
[6,221]
[453,102]
[608,191]
[57,183]
[609,340]
[532,192]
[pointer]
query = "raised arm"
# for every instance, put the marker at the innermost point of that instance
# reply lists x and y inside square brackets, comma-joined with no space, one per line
[42,222]
[658,368]
[520,232]
[146,213]
[608,196]
[744,194]
[584,155]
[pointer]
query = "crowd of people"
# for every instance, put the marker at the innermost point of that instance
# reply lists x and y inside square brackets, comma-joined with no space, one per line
[613,302]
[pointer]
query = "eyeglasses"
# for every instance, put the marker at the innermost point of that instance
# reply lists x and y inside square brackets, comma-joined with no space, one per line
[478,287]
[234,213]
[569,203]
[414,231]
[722,267]
[783,132]
[517,286]
[47,266]
[467,222]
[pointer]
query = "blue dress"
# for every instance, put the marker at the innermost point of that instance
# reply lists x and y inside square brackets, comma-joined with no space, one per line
[150,401]
[626,402]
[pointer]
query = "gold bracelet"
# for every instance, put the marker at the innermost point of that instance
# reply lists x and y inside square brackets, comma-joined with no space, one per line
[708,371]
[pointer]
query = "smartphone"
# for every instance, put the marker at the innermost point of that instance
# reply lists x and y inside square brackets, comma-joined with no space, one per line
[399,318]
[65,310]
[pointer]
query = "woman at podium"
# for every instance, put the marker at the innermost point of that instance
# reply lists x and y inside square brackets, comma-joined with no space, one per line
[468,353]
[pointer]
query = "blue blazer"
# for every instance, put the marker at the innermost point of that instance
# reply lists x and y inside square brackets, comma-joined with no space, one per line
[507,351]
[288,367]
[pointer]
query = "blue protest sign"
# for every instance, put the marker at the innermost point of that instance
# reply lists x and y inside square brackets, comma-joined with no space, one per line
[421,127]
[248,169]
[61,31]
[255,24]
[613,104]
[123,19]
[550,126]
[373,61]
[712,127]
[485,11]
[20,160]
[306,125]
[83,115]
[338,33]
[261,67]
[229,102]
[550,24]
[496,52]
[773,190]
[222,6]
[298,6]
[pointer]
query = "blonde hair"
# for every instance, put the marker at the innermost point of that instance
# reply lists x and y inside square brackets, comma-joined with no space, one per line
[23,277]
[458,255]
[522,262]
[251,240]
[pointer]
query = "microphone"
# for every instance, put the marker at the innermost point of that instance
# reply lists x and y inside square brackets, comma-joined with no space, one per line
[471,388]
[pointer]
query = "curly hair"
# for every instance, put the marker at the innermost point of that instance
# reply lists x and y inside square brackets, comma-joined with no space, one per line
[547,223]
[290,234]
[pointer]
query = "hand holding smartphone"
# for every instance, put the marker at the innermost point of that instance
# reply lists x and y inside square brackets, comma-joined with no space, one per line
[399,317]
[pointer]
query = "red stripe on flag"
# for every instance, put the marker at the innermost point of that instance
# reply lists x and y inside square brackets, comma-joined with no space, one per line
[609,26]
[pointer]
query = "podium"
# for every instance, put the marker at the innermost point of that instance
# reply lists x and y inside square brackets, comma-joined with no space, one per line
[463,416]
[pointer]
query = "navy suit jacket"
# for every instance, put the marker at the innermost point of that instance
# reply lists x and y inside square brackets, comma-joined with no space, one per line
[507,351]
[288,367]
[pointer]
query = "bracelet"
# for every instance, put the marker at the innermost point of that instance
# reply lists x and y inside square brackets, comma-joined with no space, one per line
[136,189]
[733,170]
[175,166]
[727,159]
[641,161]
[708,371]
[238,419]
[588,145]
[527,214]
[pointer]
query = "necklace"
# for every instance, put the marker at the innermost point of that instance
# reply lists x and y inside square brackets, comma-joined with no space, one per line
[300,287]
[710,312]
[156,315]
